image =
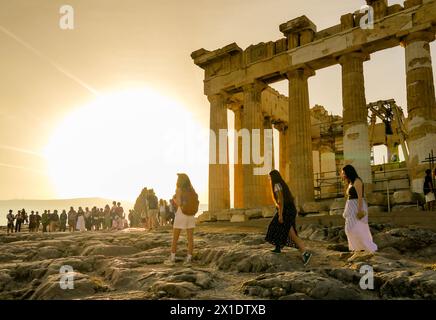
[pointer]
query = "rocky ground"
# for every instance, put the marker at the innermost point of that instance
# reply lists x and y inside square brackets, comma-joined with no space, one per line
[231,261]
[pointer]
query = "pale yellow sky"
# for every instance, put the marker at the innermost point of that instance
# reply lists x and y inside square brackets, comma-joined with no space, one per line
[121,44]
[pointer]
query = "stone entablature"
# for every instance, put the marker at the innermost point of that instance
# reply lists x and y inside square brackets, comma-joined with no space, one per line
[230,68]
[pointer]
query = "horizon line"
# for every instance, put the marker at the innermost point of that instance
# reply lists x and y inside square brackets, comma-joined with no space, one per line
[65,199]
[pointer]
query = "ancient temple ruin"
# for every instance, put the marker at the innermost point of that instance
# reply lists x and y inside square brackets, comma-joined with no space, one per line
[312,143]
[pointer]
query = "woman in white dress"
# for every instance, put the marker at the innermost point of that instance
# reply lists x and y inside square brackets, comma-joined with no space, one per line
[80,220]
[356,214]
[182,221]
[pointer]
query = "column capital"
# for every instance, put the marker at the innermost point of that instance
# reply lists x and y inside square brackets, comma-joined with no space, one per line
[257,86]
[304,72]
[221,97]
[280,126]
[356,55]
[235,106]
[424,35]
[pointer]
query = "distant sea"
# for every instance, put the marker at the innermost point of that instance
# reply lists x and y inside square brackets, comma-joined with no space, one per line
[62,204]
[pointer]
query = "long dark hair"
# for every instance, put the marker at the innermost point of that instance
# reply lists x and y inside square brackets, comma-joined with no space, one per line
[350,173]
[183,182]
[276,178]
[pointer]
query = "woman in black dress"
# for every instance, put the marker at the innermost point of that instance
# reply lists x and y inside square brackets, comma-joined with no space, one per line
[281,231]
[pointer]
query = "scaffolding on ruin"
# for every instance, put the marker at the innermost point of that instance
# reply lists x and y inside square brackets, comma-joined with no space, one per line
[388,177]
[388,112]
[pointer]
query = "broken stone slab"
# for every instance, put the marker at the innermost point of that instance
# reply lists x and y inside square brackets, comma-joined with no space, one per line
[110,250]
[179,290]
[310,284]
[406,207]
[315,207]
[207,217]
[338,203]
[296,296]
[336,212]
[404,197]
[50,288]
[375,199]
[268,212]
[297,25]
[253,213]
[376,209]
[223,216]
[239,217]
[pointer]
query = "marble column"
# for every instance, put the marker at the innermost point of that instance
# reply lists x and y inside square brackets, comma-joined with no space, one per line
[268,155]
[267,125]
[357,150]
[421,108]
[299,138]
[238,168]
[328,169]
[219,187]
[252,120]
[283,155]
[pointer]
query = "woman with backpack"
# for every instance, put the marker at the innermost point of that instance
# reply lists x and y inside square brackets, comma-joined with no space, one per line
[186,200]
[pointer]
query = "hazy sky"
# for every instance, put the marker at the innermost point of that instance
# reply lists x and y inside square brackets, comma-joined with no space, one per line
[47,73]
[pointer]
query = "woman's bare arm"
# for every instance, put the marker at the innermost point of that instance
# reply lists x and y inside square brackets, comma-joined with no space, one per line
[178,199]
[358,185]
[280,204]
[359,189]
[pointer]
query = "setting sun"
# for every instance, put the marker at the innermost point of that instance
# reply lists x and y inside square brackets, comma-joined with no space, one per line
[125,141]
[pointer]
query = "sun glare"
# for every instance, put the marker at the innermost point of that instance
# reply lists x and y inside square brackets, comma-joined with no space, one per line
[123,142]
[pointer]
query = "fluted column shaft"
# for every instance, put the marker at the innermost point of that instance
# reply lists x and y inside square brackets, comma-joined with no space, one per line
[238,168]
[268,154]
[356,139]
[252,119]
[283,155]
[219,187]
[299,139]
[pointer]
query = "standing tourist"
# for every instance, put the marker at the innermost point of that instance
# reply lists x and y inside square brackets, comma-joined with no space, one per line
[88,219]
[19,221]
[153,210]
[120,215]
[38,221]
[107,218]
[72,220]
[187,201]
[63,221]
[80,220]
[10,217]
[32,221]
[54,222]
[24,217]
[163,215]
[429,191]
[45,221]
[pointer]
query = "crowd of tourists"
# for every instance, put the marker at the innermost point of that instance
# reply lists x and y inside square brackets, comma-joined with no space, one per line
[95,219]
[108,218]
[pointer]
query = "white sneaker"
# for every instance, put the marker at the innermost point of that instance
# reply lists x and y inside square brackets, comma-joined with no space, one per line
[187,263]
[170,262]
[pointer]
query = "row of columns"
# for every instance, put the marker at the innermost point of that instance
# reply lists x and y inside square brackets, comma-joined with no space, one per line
[296,160]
